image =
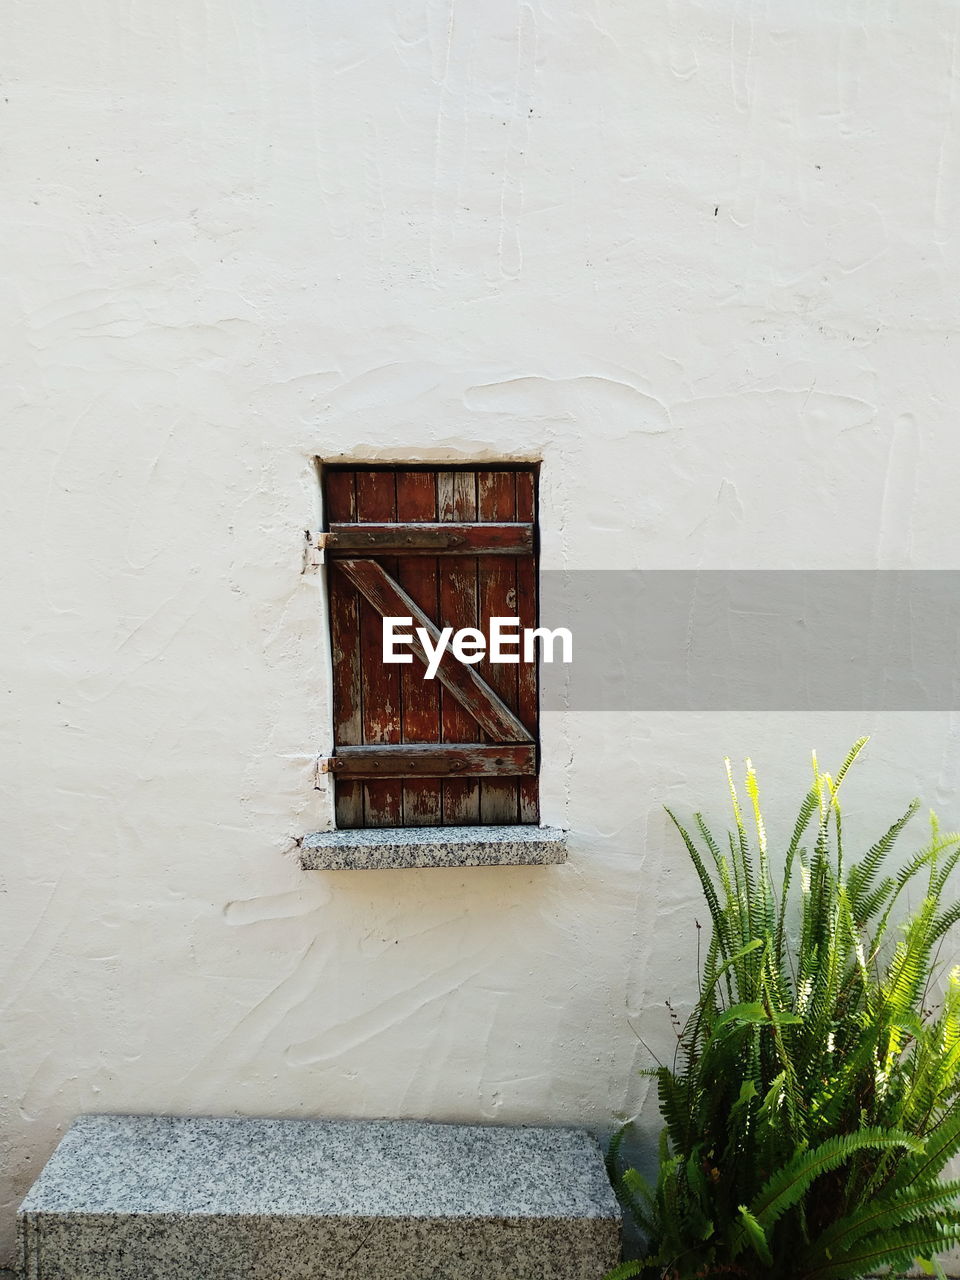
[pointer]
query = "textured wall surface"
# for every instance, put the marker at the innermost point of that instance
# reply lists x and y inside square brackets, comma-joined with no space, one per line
[699,257]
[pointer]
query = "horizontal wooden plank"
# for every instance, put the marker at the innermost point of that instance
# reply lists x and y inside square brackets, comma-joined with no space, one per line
[409,538]
[432,760]
[389,599]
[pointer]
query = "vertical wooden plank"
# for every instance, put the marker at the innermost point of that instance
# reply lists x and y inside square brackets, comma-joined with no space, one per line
[419,698]
[528,694]
[457,582]
[380,683]
[497,596]
[341,504]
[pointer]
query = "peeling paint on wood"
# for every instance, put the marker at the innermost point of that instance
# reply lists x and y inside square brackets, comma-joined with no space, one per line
[470,585]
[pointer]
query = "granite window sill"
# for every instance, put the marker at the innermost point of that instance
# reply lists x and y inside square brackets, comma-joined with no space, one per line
[388,848]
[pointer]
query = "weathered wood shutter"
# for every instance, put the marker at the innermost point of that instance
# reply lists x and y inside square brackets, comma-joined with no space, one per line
[449,547]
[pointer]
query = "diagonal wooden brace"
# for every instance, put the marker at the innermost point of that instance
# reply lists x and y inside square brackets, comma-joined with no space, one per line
[474,694]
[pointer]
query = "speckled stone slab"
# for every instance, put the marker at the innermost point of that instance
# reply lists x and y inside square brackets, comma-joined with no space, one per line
[171,1198]
[385,848]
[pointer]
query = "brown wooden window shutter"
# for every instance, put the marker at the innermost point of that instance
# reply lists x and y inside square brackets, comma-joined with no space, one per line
[447,546]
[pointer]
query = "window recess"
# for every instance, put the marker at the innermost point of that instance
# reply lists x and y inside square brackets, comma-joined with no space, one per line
[445,546]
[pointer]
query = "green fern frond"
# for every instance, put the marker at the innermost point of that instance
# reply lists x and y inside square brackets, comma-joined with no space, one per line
[612,1158]
[706,883]
[627,1270]
[883,1214]
[814,1099]
[939,1148]
[849,759]
[896,1248]
[755,1235]
[786,1186]
[863,874]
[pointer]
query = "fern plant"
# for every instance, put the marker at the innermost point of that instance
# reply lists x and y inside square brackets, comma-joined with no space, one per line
[814,1098]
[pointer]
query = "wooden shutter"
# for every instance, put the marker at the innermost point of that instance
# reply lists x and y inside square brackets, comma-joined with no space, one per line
[447,546]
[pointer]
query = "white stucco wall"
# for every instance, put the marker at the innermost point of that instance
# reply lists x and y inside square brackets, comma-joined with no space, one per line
[700,258]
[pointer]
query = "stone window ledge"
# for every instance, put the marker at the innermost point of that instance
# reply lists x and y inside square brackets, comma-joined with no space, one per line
[387,848]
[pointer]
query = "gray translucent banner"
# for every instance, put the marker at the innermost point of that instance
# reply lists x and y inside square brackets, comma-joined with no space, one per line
[754,640]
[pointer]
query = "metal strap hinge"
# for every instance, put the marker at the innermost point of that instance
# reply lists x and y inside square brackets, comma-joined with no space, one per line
[314,544]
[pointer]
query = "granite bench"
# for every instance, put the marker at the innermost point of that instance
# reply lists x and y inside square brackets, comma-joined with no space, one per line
[170,1198]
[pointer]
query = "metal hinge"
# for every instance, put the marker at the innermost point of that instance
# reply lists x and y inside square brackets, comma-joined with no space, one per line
[328,764]
[313,546]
